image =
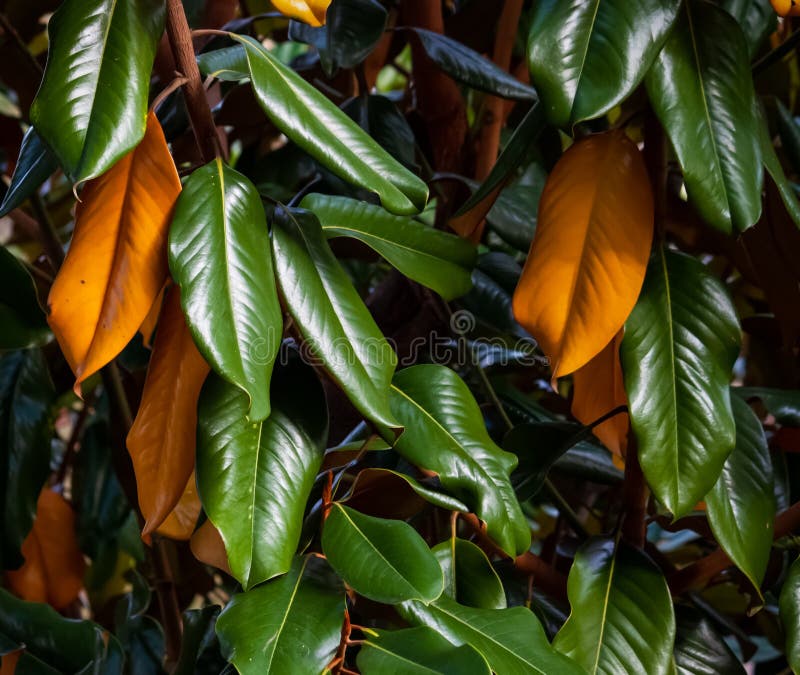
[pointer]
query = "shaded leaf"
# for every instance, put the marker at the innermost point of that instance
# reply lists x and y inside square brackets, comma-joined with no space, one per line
[431,257]
[757,19]
[92,104]
[445,434]
[790,615]
[588,257]
[677,354]
[180,522]
[22,321]
[773,166]
[699,648]
[469,577]
[117,263]
[199,648]
[219,256]
[35,165]
[783,404]
[207,546]
[228,64]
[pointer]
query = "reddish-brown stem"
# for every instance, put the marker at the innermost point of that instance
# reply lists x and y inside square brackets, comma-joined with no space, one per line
[180,41]
[634,498]
[74,441]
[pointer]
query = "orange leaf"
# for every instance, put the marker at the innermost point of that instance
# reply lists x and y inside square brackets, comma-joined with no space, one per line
[54,565]
[8,663]
[161,441]
[148,326]
[310,11]
[598,388]
[208,547]
[588,258]
[117,262]
[180,522]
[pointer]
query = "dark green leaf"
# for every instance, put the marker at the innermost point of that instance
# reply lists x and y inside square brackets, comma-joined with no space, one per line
[445,434]
[436,259]
[702,91]
[22,320]
[513,215]
[92,104]
[469,577]
[491,303]
[382,120]
[417,651]
[228,64]
[289,625]
[337,327]
[790,134]
[586,57]
[67,645]
[757,19]
[254,478]
[199,647]
[700,649]
[741,505]
[622,619]
[219,256]
[35,165]
[776,172]
[782,404]
[790,615]
[511,640]
[680,344]
[384,560]
[25,396]
[140,635]
[470,68]
[329,135]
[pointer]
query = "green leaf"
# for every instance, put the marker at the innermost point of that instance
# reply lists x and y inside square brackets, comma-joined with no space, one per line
[336,325]
[374,485]
[513,216]
[383,121]
[329,135]
[680,344]
[140,635]
[782,404]
[702,91]
[790,615]
[465,65]
[435,259]
[25,395]
[789,133]
[511,640]
[469,577]
[417,651]
[199,646]
[22,320]
[289,625]
[254,478]
[586,57]
[228,64]
[66,645]
[445,434]
[219,256]
[757,19]
[741,505]
[35,165]
[384,560]
[622,619]
[699,648]
[92,104]
[775,170]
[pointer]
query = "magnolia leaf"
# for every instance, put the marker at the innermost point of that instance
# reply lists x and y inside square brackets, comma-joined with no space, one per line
[219,256]
[310,11]
[469,577]
[181,521]
[35,165]
[782,404]
[790,615]
[208,547]
[22,322]
[117,261]
[699,648]
[589,254]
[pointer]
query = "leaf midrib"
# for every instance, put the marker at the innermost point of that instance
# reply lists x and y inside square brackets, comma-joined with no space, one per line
[274,640]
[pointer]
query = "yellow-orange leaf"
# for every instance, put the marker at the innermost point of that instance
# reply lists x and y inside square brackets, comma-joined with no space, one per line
[8,663]
[161,441]
[207,546]
[598,388]
[179,524]
[310,11]
[117,262]
[588,258]
[54,566]
[148,326]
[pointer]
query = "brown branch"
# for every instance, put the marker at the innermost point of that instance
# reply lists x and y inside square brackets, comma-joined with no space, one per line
[634,497]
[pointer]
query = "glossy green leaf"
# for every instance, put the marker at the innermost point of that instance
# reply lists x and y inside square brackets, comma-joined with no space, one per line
[586,57]
[92,104]
[757,19]
[219,256]
[511,640]
[140,635]
[790,615]
[34,166]
[741,505]
[702,91]
[445,434]
[435,259]
[622,619]
[699,648]
[469,577]
[513,215]
[369,483]
[782,404]
[465,65]
[384,560]
[254,478]
[336,325]
[383,121]
[199,646]
[329,135]
[289,625]
[22,320]
[417,651]
[66,645]
[25,396]
[228,64]
[680,344]
[773,166]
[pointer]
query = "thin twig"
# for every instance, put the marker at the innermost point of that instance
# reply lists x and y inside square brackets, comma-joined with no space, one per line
[51,242]
[179,81]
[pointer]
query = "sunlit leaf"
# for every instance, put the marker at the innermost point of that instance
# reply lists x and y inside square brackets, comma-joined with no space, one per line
[310,11]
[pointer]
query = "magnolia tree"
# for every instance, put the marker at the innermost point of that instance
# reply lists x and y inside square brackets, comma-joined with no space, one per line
[400,337]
